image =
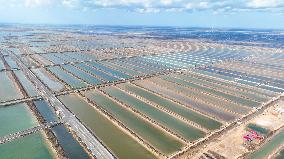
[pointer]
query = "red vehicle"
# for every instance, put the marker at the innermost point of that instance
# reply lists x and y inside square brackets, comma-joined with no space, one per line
[252,135]
[247,138]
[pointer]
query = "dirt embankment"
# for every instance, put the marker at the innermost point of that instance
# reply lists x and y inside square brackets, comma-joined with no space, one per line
[231,144]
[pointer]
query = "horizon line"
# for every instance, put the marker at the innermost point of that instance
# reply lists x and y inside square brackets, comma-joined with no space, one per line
[138,25]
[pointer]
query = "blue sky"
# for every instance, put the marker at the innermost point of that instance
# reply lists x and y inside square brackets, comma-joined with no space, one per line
[200,13]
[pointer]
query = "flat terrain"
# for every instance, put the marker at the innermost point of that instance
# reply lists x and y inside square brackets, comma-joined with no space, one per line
[231,144]
[149,95]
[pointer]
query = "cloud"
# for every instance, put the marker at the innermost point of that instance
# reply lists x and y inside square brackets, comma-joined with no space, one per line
[155,6]
[70,3]
[200,5]
[26,3]
[220,6]
[147,10]
[265,3]
[36,3]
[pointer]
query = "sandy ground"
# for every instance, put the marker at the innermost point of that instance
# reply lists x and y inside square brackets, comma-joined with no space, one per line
[271,118]
[231,145]
[50,146]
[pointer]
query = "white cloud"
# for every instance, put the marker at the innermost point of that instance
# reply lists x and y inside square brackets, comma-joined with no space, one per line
[155,6]
[36,3]
[70,3]
[166,2]
[147,10]
[175,10]
[264,3]
[199,5]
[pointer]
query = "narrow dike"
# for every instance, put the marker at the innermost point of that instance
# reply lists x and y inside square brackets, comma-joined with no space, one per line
[149,119]
[124,128]
[157,106]
[50,135]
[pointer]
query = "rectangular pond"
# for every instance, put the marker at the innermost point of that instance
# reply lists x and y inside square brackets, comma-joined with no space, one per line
[189,132]
[201,107]
[121,69]
[53,58]
[228,89]
[110,71]
[193,116]
[119,142]
[2,67]
[27,84]
[11,62]
[153,135]
[208,98]
[8,88]
[15,118]
[49,80]
[275,142]
[71,146]
[228,79]
[66,77]
[45,110]
[33,146]
[221,94]
[102,75]
[82,75]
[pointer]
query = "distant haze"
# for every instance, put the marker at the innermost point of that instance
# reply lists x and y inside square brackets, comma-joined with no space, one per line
[202,13]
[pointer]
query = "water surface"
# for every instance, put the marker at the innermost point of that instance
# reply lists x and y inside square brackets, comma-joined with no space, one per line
[120,143]
[182,111]
[70,145]
[269,147]
[156,137]
[8,89]
[15,118]
[69,79]
[28,86]
[33,146]
[50,82]
[189,132]
[45,110]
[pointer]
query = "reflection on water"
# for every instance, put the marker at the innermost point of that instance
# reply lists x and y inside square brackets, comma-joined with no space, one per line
[33,146]
[120,143]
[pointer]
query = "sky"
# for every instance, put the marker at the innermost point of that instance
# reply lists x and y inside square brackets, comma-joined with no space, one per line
[184,13]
